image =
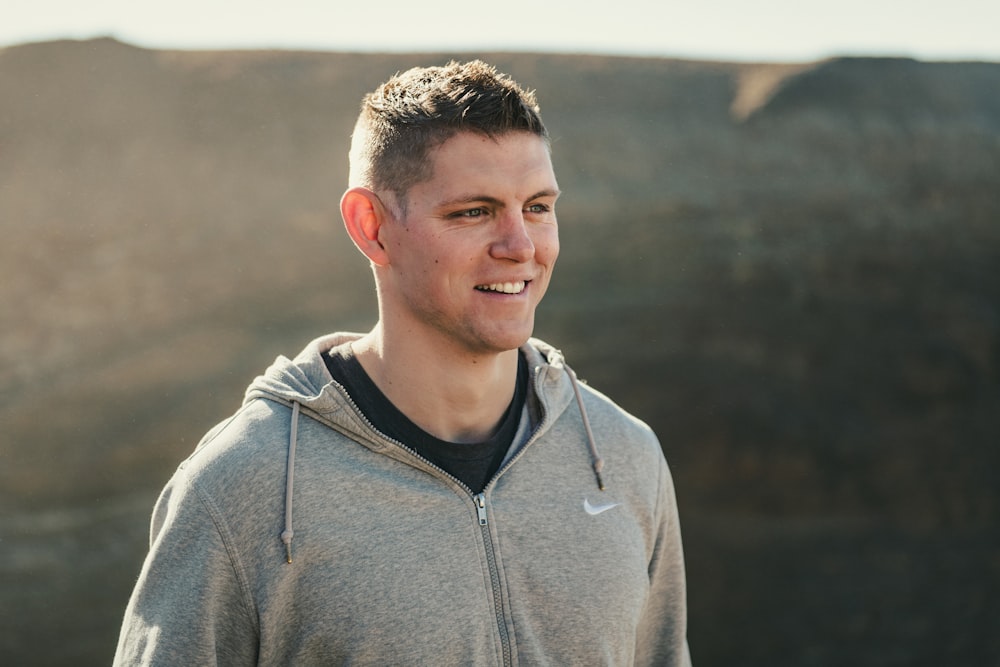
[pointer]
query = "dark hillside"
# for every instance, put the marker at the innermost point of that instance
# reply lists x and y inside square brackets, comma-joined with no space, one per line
[898,90]
[790,271]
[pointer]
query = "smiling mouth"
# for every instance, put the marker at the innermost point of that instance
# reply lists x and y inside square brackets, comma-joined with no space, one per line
[504,288]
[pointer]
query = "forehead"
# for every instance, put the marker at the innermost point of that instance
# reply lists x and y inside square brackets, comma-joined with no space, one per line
[513,160]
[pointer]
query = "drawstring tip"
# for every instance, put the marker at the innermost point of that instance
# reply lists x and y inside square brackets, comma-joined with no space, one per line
[600,480]
[286,537]
[598,467]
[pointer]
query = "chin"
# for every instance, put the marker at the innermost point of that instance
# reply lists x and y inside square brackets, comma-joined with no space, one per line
[512,342]
[500,343]
[499,339]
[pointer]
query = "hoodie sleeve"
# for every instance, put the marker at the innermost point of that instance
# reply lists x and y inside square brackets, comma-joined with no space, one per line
[662,635]
[189,606]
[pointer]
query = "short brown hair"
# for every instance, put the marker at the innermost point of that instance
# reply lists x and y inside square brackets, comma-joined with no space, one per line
[418,110]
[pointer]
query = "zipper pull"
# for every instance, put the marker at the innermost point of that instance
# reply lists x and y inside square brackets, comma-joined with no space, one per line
[481,508]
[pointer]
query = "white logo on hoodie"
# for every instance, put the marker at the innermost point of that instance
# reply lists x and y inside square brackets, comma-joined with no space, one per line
[594,510]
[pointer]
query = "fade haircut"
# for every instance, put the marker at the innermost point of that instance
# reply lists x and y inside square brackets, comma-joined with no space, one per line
[418,110]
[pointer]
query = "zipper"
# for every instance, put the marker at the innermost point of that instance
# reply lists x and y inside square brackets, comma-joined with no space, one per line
[481,508]
[491,562]
[480,502]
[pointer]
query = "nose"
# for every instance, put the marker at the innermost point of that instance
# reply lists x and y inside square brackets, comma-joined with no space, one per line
[513,241]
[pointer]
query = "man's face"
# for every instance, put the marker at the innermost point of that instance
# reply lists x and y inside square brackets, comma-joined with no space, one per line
[473,253]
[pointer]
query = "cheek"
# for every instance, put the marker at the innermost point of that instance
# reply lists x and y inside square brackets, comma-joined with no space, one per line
[547,246]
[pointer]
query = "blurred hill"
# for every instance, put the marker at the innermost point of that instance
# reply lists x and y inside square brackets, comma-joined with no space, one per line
[792,272]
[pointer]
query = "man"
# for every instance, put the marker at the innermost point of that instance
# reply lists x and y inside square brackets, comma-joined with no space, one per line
[440,490]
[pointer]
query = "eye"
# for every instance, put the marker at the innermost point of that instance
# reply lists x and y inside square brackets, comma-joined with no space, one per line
[538,208]
[477,212]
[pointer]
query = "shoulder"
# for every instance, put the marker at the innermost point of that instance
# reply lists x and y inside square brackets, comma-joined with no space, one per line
[226,497]
[250,430]
[619,432]
[605,413]
[236,455]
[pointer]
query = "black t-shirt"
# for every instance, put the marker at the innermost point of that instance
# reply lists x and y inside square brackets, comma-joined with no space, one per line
[474,464]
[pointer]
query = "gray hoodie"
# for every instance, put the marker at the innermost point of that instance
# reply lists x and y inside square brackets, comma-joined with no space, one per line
[297,534]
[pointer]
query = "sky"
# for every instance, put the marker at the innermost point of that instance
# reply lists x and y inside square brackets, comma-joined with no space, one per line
[740,30]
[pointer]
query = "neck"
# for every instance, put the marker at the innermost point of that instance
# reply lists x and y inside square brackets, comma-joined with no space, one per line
[453,396]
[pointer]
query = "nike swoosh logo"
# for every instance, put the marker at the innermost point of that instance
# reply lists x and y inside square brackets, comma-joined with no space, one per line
[594,510]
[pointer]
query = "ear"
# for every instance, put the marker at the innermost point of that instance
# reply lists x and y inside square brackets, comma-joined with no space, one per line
[364,214]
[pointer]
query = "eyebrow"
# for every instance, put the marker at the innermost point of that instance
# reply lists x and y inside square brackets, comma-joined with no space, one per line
[470,199]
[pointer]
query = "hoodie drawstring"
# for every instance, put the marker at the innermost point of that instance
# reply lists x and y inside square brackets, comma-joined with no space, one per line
[288,533]
[596,461]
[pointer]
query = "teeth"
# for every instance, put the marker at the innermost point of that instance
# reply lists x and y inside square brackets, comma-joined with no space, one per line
[506,288]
